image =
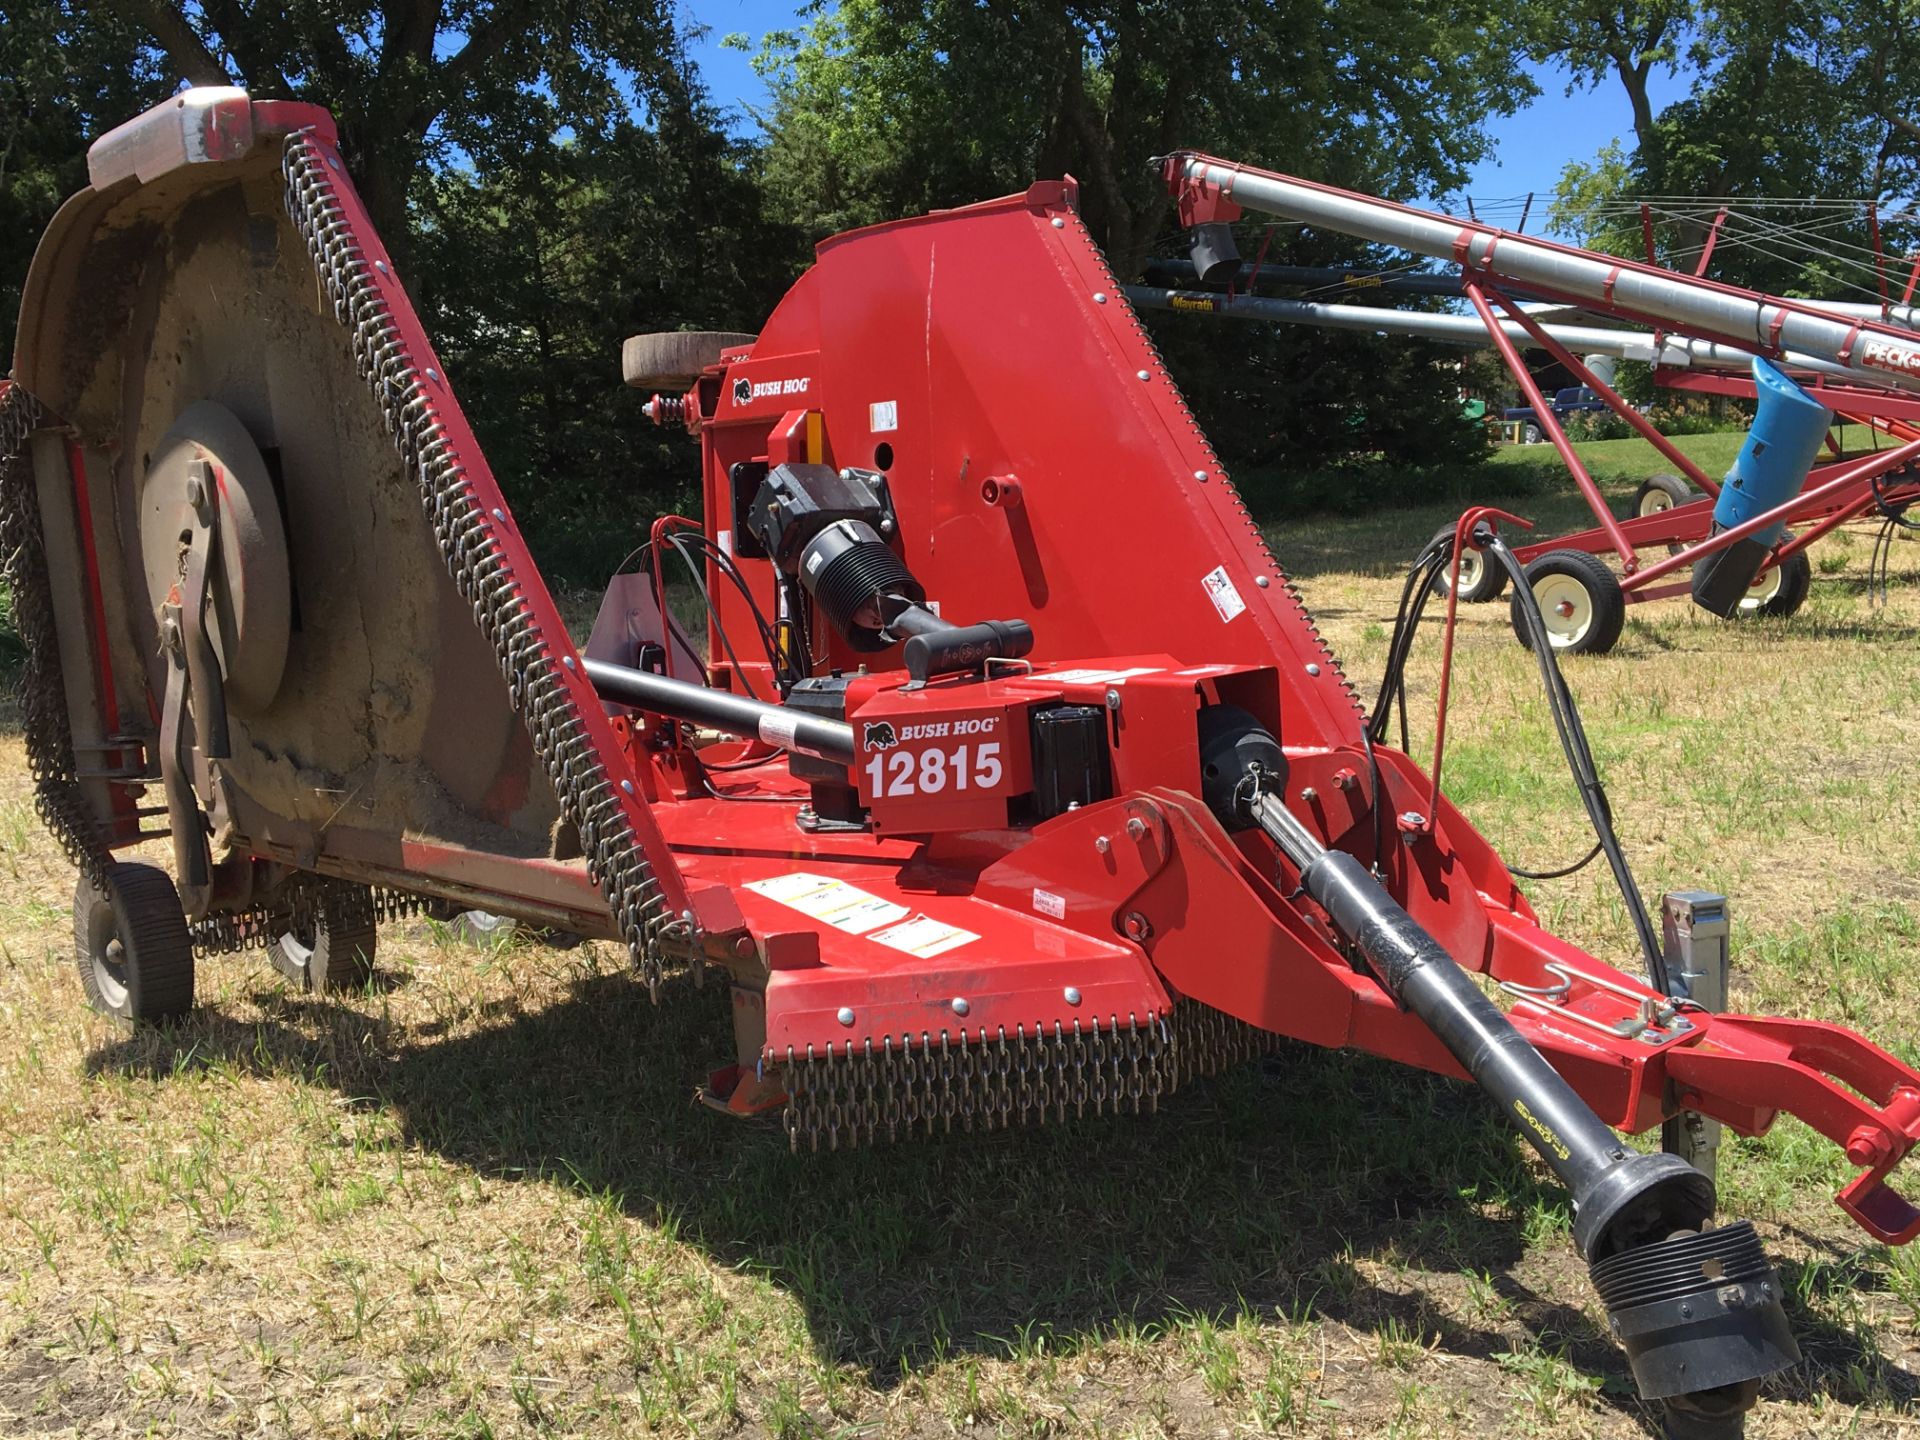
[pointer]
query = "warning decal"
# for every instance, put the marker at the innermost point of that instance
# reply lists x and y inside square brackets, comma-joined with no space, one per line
[832,902]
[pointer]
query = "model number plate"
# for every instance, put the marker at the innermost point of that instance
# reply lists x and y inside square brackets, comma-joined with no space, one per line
[935,770]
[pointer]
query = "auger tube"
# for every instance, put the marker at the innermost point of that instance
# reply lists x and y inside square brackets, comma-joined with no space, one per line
[1872,350]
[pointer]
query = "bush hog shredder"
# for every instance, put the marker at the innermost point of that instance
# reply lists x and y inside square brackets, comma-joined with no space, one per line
[1019,783]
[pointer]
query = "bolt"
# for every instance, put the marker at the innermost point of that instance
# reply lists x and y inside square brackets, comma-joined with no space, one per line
[381,266]
[1071,995]
[1102,844]
[1312,668]
[1867,1145]
[1346,779]
[1058,223]
[1137,926]
[1099,297]
[627,786]
[1201,476]
[1262,581]
[1113,699]
[1686,1312]
[570,662]
[886,525]
[498,513]
[196,491]
[433,375]
[1143,374]
[960,1005]
[1136,828]
[846,1016]
[1309,796]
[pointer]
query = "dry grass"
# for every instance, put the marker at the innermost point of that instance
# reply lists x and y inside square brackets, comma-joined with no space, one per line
[475,1200]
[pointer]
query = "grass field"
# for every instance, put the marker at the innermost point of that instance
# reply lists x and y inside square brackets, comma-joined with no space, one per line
[476,1200]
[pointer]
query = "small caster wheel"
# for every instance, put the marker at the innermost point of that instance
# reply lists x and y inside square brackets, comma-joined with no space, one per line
[1580,599]
[333,951]
[1662,492]
[1480,580]
[131,944]
[1780,590]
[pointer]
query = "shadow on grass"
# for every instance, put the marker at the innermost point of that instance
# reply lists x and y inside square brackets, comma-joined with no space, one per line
[1323,1186]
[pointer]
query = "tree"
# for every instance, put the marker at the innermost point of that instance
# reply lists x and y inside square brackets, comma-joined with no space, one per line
[1790,100]
[1624,38]
[883,108]
[64,77]
[415,83]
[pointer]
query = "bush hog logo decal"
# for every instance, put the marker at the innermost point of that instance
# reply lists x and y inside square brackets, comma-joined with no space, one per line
[1898,359]
[746,391]
[881,736]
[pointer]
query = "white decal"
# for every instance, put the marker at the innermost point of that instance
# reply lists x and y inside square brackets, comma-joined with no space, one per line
[1045,902]
[1884,356]
[1100,677]
[779,729]
[832,902]
[883,415]
[1220,589]
[924,936]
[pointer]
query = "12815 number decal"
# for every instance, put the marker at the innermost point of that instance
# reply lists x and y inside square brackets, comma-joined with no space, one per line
[934,771]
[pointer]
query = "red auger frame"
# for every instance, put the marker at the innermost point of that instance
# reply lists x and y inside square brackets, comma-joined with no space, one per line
[1068,862]
[1863,370]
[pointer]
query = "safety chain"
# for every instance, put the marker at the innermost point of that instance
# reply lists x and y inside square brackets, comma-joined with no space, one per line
[467,538]
[57,797]
[849,1097]
[295,908]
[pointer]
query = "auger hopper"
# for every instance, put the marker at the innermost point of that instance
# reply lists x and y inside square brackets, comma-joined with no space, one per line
[1015,783]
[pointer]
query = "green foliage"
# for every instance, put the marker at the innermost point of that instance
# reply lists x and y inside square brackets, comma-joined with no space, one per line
[1789,99]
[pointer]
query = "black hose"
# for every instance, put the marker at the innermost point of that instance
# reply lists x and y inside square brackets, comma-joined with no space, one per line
[1573,743]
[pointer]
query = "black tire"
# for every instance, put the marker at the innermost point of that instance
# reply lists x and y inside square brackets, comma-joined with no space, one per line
[336,952]
[1794,579]
[1662,492]
[1580,599]
[131,944]
[1481,579]
[672,360]
[1532,434]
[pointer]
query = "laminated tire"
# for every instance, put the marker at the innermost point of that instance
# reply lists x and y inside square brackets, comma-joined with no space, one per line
[671,360]
[132,946]
[335,952]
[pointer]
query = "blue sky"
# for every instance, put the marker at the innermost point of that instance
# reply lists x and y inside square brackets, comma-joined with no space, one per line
[1529,151]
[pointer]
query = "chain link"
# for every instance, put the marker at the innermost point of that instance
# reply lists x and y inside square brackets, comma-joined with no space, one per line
[296,906]
[467,537]
[868,1092]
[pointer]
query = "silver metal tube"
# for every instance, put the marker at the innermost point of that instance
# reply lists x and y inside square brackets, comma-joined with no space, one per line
[1679,351]
[1874,353]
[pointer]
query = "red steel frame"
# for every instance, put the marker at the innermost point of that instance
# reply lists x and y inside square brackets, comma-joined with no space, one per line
[1010,393]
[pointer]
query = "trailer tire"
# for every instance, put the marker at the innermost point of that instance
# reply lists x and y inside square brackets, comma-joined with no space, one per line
[132,946]
[1662,492]
[1580,599]
[336,952]
[672,360]
[1480,581]
[1781,591]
